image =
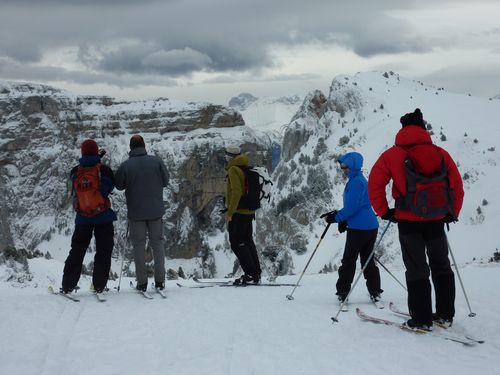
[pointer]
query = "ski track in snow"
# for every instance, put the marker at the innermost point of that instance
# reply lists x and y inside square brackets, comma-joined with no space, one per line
[60,338]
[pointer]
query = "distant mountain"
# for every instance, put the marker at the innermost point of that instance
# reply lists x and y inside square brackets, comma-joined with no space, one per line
[269,114]
[242,101]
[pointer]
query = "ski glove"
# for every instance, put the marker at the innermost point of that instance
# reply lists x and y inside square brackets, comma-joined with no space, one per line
[330,217]
[342,226]
[389,215]
[449,218]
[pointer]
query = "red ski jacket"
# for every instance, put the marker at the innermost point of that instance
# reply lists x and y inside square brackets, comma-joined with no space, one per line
[390,165]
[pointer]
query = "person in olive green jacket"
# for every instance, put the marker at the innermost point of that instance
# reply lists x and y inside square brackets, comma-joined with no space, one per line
[239,219]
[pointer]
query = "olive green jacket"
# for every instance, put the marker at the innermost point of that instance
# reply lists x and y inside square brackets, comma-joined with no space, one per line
[235,185]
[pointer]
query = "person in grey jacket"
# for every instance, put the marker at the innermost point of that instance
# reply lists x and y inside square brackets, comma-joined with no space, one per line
[143,178]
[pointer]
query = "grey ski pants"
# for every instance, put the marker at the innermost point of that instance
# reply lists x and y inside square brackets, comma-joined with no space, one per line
[138,231]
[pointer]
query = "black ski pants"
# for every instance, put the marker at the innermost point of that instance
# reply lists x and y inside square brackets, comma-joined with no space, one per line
[421,240]
[241,239]
[359,242]
[80,242]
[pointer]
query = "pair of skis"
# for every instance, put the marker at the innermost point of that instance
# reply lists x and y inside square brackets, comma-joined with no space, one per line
[225,283]
[147,294]
[441,332]
[344,306]
[100,297]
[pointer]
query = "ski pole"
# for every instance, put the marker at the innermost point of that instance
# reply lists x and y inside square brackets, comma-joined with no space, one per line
[389,272]
[334,318]
[290,296]
[121,267]
[471,314]
[262,261]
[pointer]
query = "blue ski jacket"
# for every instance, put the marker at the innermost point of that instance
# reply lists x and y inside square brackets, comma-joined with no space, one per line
[357,210]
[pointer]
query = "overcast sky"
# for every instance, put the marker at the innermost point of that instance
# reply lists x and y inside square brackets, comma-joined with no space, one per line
[212,50]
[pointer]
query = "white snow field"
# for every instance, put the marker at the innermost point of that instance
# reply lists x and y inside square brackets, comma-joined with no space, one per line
[230,330]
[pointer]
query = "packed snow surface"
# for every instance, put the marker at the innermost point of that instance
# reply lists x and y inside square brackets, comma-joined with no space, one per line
[229,330]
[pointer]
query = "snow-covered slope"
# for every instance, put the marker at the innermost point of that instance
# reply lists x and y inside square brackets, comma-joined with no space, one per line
[359,113]
[362,113]
[256,330]
[236,331]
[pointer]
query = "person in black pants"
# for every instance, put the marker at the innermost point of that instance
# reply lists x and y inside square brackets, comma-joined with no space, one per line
[358,218]
[239,219]
[415,238]
[420,215]
[93,216]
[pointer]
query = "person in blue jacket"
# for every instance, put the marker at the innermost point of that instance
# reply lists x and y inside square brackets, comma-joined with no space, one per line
[358,218]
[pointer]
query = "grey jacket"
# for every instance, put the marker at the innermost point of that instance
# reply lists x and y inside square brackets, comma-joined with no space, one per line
[143,177]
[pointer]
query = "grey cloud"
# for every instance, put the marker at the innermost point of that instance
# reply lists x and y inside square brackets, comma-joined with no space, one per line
[370,47]
[177,38]
[14,71]
[143,58]
[78,3]
[255,78]
[480,78]
[21,50]
[177,58]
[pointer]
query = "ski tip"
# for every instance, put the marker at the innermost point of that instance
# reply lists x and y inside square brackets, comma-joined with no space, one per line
[100,298]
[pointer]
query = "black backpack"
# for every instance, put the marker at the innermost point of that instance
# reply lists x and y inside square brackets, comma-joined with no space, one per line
[428,192]
[257,186]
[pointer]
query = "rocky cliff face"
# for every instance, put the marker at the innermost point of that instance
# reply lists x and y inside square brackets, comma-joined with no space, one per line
[41,129]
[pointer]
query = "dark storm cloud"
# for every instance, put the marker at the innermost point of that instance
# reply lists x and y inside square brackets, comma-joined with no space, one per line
[179,37]
[17,71]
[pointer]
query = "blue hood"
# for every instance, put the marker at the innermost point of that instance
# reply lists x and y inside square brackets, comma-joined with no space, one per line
[354,160]
[357,210]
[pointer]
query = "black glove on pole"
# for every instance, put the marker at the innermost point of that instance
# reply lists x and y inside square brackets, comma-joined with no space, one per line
[328,213]
[389,215]
[330,216]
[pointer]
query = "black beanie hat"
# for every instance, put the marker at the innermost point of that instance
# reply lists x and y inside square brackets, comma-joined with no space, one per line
[413,118]
[136,141]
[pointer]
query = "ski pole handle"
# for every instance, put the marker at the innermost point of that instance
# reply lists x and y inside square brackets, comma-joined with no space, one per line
[326,214]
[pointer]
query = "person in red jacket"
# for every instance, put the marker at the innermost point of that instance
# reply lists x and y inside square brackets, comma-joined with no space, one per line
[421,236]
